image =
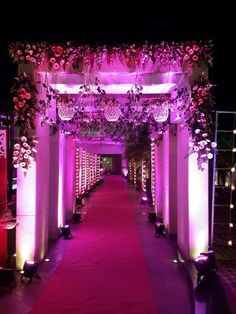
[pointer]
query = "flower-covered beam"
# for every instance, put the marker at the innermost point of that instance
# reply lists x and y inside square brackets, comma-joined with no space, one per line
[72,55]
[95,112]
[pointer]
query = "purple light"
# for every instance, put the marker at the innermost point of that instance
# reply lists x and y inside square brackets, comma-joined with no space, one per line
[201,258]
[144,198]
[30,262]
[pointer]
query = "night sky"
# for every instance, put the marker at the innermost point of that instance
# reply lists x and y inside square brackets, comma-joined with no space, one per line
[123,25]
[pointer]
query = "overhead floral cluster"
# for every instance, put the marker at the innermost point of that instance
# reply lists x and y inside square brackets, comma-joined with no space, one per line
[71,55]
[198,117]
[24,153]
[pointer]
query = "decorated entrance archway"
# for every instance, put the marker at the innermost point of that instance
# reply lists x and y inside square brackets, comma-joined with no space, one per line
[69,99]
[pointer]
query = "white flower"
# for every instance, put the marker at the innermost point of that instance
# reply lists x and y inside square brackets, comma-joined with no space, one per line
[204,165]
[34,150]
[23,139]
[28,151]
[197,131]
[24,169]
[25,144]
[22,164]
[17,146]
[16,165]
[26,156]
[31,158]
[22,150]
[196,148]
[190,144]
[15,158]
[210,156]
[213,144]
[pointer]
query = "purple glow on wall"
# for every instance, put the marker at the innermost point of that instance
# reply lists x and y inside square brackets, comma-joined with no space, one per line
[117,88]
[60,217]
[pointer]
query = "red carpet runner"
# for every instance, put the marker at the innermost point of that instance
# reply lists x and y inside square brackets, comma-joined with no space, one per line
[103,270]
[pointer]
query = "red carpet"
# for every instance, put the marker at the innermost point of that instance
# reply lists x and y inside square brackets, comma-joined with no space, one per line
[103,270]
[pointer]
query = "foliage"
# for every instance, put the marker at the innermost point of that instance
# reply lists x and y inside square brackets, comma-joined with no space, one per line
[72,55]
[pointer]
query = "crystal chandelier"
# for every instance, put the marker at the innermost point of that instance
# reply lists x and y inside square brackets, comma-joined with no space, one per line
[161,112]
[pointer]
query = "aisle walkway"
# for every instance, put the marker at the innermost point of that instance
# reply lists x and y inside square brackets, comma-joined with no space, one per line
[103,270]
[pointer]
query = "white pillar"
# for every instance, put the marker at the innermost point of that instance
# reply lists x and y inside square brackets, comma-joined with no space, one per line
[192,200]
[169,182]
[69,177]
[32,203]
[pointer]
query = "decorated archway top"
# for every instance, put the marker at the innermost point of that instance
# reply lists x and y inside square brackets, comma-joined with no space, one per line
[71,56]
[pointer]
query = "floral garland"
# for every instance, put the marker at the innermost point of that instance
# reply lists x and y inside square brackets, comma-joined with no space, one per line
[198,118]
[72,55]
[25,104]
[25,109]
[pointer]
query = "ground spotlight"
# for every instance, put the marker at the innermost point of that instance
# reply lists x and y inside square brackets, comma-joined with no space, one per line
[7,277]
[152,216]
[160,230]
[65,232]
[144,200]
[30,271]
[205,265]
[76,217]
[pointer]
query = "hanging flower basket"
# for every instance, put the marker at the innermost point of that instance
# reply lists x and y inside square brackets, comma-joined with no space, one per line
[65,112]
[112,113]
[65,108]
[112,110]
[161,112]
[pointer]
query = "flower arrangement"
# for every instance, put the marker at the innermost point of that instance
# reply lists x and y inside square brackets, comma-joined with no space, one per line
[198,119]
[25,105]
[71,54]
[24,153]
[28,52]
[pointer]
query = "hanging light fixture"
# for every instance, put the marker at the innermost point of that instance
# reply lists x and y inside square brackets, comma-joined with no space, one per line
[161,112]
[112,110]
[65,108]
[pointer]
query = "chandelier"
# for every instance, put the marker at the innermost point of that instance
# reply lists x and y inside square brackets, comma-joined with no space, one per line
[161,112]
[65,108]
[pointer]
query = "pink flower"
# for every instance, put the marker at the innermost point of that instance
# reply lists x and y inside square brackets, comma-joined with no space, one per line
[58,51]
[203,93]
[21,104]
[52,60]
[200,101]
[62,62]
[15,99]
[190,63]
[195,58]
[21,90]
[28,58]
[19,52]
[195,47]
[56,66]
[27,96]
[190,51]
[186,57]
[16,108]
[187,48]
